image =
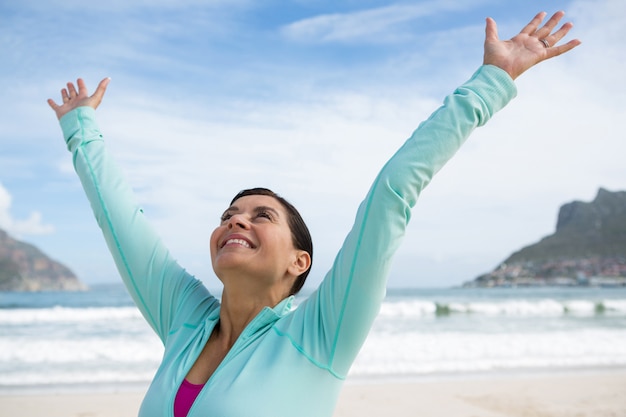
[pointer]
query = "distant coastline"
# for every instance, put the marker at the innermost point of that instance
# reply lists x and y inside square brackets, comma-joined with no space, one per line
[23,267]
[588,249]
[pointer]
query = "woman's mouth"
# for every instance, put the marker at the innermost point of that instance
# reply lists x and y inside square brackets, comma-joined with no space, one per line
[237,241]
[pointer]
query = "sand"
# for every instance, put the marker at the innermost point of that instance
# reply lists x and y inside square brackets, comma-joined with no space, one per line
[572,394]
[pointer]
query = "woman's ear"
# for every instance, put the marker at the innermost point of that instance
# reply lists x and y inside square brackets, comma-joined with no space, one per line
[300,264]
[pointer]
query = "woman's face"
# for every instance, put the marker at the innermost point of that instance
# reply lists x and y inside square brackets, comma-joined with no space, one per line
[254,240]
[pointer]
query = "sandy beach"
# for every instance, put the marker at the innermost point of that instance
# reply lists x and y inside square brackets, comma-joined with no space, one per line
[571,394]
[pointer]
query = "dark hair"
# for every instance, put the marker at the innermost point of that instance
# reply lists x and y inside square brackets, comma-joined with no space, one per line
[299,232]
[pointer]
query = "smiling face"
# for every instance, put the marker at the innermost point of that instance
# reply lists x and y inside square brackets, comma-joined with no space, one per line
[253,245]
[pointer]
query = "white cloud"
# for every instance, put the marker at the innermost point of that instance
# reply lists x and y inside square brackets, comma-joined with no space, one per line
[126,6]
[30,226]
[379,25]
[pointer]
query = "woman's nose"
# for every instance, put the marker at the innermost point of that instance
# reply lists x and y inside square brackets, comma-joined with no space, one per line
[237,220]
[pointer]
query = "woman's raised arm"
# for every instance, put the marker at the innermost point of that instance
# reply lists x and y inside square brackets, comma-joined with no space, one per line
[347,302]
[157,283]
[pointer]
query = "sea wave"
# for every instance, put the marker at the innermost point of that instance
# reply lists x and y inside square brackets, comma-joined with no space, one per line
[456,351]
[53,349]
[66,315]
[544,307]
[416,333]
[79,376]
[389,309]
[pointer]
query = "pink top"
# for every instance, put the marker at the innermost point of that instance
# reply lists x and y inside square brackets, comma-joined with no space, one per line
[185,397]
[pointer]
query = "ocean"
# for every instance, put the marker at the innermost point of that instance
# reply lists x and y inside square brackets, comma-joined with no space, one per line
[97,340]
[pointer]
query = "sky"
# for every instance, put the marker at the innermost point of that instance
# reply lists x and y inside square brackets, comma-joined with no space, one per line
[309,98]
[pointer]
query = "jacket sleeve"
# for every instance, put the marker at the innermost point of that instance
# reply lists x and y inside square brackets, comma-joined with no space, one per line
[341,311]
[160,287]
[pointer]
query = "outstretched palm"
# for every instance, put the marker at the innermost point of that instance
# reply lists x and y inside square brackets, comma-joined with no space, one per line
[531,46]
[73,98]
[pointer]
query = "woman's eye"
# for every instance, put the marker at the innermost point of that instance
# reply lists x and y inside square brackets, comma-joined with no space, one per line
[226,216]
[264,214]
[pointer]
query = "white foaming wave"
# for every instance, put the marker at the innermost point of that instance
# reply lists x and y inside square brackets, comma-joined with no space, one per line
[520,307]
[138,348]
[407,309]
[77,376]
[425,353]
[66,315]
[454,308]
[580,307]
[618,306]
[545,307]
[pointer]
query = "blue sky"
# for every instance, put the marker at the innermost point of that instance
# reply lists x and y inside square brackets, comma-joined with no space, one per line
[308,98]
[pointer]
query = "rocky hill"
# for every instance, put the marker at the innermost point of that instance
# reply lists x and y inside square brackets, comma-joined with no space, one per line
[23,267]
[588,247]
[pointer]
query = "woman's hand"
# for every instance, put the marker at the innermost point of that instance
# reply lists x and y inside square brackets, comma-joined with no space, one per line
[531,46]
[73,99]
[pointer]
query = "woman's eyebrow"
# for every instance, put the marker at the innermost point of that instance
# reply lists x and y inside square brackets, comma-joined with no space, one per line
[256,210]
[229,209]
[261,209]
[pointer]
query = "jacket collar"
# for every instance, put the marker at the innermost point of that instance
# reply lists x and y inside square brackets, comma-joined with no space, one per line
[266,317]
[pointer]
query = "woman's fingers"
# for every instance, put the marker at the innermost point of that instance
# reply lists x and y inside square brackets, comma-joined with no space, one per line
[561,49]
[546,29]
[559,34]
[52,104]
[82,88]
[72,97]
[491,30]
[72,90]
[532,26]
[548,39]
[101,89]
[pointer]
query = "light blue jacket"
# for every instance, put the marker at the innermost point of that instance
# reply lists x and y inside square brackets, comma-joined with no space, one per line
[286,362]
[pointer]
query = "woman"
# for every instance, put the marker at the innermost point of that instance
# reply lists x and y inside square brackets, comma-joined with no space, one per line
[252,355]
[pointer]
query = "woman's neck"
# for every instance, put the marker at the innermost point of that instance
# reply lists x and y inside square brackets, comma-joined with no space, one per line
[238,309]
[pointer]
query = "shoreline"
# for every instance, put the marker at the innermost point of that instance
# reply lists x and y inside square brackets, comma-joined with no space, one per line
[581,392]
[352,380]
[519,373]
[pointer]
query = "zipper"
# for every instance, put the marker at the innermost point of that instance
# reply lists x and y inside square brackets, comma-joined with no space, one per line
[244,339]
[187,368]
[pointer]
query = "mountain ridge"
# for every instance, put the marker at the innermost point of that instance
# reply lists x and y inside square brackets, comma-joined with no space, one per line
[588,247]
[23,267]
